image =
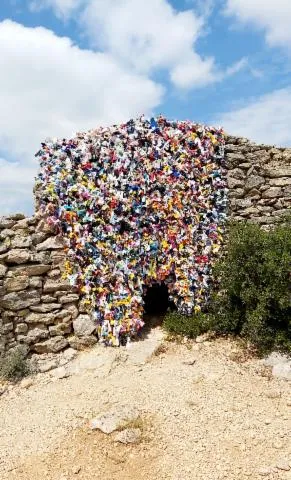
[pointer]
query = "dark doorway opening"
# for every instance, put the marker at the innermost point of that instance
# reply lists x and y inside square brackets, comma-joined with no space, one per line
[156,304]
[156,299]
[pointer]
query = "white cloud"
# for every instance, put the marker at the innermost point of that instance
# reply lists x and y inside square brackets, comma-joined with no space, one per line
[264,120]
[273,17]
[62,8]
[146,36]
[50,87]
[16,184]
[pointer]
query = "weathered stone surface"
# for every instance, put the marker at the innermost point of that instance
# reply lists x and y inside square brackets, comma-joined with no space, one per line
[32,270]
[55,273]
[36,334]
[72,309]
[70,297]
[84,326]
[272,192]
[128,436]
[16,216]
[15,284]
[80,343]
[235,182]
[6,233]
[18,256]
[114,419]
[6,223]
[53,345]
[41,257]
[237,173]
[254,181]
[60,329]
[54,285]
[51,243]
[280,182]
[48,299]
[278,171]
[35,282]
[20,300]
[46,307]
[5,245]
[39,237]
[21,242]
[35,318]
[3,270]
[21,328]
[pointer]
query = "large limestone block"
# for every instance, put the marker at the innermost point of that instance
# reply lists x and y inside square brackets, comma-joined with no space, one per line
[21,242]
[15,284]
[45,307]
[18,256]
[55,285]
[35,318]
[84,326]
[53,345]
[51,243]
[20,300]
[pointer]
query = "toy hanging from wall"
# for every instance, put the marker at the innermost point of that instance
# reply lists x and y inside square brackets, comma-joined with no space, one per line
[139,203]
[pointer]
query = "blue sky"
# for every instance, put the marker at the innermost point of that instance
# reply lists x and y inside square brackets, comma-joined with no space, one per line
[70,65]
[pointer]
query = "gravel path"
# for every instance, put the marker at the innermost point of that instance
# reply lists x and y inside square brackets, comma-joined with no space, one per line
[207,413]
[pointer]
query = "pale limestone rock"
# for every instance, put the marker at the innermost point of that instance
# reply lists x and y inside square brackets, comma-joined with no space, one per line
[46,307]
[128,436]
[36,318]
[114,419]
[70,297]
[53,345]
[37,334]
[18,256]
[83,326]
[60,329]
[81,343]
[54,285]
[21,328]
[6,223]
[51,243]
[20,300]
[21,242]
[35,282]
[15,284]
[254,181]
[272,192]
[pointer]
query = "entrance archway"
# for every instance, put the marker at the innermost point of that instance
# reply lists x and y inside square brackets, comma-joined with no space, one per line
[156,304]
[156,299]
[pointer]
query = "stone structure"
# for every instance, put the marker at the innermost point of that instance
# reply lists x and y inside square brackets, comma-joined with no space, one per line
[40,309]
[259,181]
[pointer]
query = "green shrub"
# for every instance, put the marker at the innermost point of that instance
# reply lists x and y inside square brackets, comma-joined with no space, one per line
[189,326]
[254,278]
[14,364]
[251,292]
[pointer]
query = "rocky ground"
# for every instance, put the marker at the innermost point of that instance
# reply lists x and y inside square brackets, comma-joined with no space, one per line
[192,411]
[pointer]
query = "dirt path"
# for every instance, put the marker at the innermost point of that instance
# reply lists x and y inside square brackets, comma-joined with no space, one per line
[205,415]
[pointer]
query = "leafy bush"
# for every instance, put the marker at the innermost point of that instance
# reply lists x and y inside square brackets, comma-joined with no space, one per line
[14,365]
[189,326]
[251,294]
[254,278]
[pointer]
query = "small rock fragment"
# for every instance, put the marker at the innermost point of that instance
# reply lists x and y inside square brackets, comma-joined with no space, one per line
[129,435]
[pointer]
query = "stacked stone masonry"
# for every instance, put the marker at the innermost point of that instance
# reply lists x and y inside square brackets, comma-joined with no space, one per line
[39,309]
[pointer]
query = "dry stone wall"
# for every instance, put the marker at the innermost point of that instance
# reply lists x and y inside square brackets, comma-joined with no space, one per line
[39,309]
[259,181]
